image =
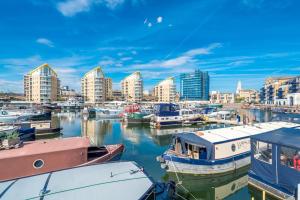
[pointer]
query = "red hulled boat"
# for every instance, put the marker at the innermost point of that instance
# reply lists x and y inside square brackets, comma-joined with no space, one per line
[50,155]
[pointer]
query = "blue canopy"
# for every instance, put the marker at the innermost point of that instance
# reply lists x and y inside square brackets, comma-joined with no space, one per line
[166,109]
[276,174]
[283,136]
[193,139]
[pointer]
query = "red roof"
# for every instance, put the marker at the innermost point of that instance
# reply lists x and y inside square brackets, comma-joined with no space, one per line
[46,146]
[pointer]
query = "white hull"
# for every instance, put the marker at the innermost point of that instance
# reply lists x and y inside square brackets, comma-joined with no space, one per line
[206,169]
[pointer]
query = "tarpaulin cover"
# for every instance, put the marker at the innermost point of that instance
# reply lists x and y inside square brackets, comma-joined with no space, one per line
[277,174]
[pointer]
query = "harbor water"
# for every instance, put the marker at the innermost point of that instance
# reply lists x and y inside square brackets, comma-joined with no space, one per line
[143,145]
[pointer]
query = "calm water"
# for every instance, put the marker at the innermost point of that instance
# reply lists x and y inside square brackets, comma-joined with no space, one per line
[143,145]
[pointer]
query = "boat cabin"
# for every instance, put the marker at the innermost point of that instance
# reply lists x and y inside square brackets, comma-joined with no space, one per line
[275,161]
[166,109]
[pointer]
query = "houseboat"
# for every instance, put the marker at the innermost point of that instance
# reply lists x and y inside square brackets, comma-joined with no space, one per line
[49,155]
[214,151]
[109,181]
[275,163]
[166,114]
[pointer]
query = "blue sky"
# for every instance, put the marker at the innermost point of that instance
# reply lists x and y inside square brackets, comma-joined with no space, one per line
[233,40]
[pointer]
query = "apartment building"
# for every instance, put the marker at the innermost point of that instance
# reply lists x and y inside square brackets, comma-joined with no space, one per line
[248,96]
[274,89]
[41,85]
[108,89]
[132,87]
[222,97]
[165,91]
[93,86]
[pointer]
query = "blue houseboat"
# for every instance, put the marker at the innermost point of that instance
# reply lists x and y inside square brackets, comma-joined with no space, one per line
[214,151]
[275,162]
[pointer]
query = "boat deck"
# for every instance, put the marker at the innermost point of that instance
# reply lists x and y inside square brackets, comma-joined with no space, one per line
[110,181]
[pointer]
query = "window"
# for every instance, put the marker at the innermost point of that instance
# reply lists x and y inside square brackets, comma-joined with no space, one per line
[290,157]
[38,164]
[263,151]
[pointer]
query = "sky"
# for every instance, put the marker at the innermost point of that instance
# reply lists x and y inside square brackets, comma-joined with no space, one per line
[247,40]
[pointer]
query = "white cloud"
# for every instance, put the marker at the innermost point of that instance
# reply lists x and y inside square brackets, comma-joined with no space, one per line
[159,19]
[45,41]
[149,24]
[70,8]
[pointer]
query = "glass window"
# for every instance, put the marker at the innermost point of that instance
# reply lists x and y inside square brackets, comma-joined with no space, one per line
[290,157]
[263,151]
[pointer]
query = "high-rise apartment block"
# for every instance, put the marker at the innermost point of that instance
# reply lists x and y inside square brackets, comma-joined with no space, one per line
[41,85]
[165,91]
[93,86]
[132,87]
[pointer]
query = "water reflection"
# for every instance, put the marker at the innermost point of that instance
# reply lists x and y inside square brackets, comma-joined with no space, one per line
[212,187]
[143,145]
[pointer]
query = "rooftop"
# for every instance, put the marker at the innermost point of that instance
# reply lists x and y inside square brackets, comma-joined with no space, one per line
[284,136]
[103,181]
[45,146]
[236,132]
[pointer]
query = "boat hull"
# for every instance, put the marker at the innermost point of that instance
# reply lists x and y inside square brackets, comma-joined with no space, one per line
[187,166]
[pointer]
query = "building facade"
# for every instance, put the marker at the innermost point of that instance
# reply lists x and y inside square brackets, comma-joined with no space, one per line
[194,86]
[249,96]
[165,91]
[222,97]
[275,89]
[108,89]
[41,85]
[132,87]
[93,86]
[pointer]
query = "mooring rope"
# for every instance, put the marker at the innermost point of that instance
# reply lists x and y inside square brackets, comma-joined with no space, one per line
[179,181]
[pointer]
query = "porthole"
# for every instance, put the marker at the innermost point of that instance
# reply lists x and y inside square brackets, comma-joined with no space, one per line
[38,163]
[233,147]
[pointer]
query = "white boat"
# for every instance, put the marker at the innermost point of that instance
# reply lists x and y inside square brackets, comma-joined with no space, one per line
[214,151]
[108,113]
[7,129]
[223,114]
[188,116]
[6,117]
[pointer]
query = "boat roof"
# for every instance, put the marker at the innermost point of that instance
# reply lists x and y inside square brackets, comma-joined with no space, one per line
[46,146]
[283,136]
[237,132]
[109,181]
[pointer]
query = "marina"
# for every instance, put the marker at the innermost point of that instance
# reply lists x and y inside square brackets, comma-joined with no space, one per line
[143,144]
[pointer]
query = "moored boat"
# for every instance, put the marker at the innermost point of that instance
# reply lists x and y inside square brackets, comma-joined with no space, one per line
[109,181]
[214,151]
[275,163]
[49,155]
[107,113]
[166,114]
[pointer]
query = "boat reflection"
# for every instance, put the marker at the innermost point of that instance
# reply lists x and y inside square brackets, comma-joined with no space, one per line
[210,187]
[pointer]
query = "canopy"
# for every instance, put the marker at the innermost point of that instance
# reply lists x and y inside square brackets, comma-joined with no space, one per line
[277,174]
[284,136]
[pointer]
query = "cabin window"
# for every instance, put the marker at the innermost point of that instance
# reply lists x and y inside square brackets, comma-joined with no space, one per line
[233,147]
[193,151]
[290,157]
[38,163]
[263,151]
